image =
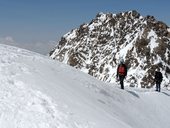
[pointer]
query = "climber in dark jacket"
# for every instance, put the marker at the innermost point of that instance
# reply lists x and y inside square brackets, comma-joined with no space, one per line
[121,73]
[158,80]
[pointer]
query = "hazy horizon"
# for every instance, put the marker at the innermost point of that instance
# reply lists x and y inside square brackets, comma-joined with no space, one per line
[38,25]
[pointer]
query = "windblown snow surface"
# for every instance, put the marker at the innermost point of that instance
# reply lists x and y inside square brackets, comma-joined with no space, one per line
[37,92]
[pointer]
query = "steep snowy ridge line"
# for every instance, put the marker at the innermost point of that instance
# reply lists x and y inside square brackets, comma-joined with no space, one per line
[20,106]
[37,92]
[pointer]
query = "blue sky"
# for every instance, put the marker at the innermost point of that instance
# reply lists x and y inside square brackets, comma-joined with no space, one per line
[35,24]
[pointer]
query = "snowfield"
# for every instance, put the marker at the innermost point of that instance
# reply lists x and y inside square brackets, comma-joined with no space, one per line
[37,92]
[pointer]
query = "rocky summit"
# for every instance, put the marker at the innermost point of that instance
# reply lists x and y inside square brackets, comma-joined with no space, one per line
[96,48]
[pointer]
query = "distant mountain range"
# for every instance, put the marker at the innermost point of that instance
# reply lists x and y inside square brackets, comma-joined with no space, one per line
[96,48]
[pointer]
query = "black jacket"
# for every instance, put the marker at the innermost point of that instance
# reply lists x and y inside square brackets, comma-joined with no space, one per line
[158,76]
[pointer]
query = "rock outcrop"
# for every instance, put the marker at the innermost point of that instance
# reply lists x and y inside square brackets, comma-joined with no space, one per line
[95,48]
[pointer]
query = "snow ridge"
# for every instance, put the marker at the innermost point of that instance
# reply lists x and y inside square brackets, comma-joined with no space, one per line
[21,106]
[38,92]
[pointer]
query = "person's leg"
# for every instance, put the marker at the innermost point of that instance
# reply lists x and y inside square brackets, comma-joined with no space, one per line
[157,86]
[122,86]
[121,82]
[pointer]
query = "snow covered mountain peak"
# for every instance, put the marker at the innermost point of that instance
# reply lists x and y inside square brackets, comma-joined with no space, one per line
[95,48]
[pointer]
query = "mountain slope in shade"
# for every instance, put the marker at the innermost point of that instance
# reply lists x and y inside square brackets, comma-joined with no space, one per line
[96,48]
[37,92]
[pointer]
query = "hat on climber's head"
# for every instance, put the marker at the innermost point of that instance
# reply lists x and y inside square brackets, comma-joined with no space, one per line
[121,61]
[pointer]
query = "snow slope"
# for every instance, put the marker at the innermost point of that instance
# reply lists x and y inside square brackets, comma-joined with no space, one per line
[37,92]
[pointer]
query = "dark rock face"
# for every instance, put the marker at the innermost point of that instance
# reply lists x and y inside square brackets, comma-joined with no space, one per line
[95,48]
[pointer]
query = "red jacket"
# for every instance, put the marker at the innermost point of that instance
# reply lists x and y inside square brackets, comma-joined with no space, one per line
[118,70]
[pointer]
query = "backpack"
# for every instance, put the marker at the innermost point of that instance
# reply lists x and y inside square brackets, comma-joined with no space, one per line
[121,70]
